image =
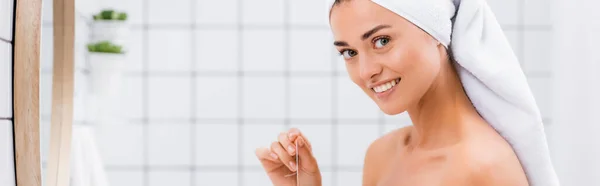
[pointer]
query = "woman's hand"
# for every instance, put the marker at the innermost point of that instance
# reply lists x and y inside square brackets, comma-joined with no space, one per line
[279,161]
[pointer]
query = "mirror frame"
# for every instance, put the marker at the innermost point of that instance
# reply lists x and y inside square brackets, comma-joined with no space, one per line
[58,170]
[26,69]
[26,99]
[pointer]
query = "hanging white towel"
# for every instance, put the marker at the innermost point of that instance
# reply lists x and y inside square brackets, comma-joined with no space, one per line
[87,168]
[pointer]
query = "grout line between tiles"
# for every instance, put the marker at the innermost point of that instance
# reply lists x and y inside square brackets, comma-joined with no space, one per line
[6,40]
[193,96]
[287,65]
[145,95]
[240,75]
[334,117]
[505,27]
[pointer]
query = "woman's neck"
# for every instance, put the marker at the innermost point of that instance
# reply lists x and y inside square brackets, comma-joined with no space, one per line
[443,113]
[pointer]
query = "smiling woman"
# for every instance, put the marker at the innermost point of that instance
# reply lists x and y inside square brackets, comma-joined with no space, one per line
[460,95]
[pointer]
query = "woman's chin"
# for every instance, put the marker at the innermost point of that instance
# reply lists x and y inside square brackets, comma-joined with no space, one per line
[392,109]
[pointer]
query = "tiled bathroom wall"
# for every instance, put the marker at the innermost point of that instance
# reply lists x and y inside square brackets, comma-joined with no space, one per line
[209,81]
[7,166]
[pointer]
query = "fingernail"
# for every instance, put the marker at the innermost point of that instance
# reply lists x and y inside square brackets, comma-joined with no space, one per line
[293,165]
[291,149]
[291,135]
[301,142]
[274,156]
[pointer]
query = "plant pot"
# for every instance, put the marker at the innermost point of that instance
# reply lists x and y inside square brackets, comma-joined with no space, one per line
[105,71]
[105,83]
[110,30]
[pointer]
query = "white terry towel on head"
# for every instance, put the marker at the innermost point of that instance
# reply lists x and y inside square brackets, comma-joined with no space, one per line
[490,73]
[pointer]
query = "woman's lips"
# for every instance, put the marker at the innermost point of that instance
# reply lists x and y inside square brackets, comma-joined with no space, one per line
[384,90]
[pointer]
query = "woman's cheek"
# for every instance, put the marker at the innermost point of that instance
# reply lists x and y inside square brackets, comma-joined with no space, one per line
[396,59]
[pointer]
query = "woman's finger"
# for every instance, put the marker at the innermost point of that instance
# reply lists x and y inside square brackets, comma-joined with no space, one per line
[287,143]
[294,133]
[308,162]
[284,156]
[265,154]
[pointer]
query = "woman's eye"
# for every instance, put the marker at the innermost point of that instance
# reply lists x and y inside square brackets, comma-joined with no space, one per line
[348,54]
[381,42]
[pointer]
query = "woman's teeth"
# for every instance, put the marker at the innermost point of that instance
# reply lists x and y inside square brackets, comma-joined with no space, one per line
[386,86]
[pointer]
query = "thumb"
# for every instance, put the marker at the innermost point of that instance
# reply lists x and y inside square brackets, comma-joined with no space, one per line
[308,163]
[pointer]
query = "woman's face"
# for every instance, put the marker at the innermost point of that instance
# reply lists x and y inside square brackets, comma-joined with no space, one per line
[392,60]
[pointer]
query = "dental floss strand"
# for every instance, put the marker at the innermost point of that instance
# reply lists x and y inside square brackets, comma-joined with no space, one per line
[297,166]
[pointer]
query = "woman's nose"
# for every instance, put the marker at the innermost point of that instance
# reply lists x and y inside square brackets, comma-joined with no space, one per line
[369,68]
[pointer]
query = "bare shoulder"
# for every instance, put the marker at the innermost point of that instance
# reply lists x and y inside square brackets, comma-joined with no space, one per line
[492,162]
[380,151]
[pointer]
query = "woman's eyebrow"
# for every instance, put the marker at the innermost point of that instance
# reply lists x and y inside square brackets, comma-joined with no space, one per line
[364,36]
[373,31]
[340,43]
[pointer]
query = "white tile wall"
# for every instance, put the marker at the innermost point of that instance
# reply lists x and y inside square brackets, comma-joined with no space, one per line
[216,144]
[263,12]
[169,12]
[352,102]
[349,178]
[216,50]
[44,138]
[309,12]
[46,51]
[399,119]
[131,101]
[507,11]
[162,178]
[327,177]
[216,178]
[351,147]
[6,19]
[217,97]
[256,178]
[537,12]
[310,49]
[536,48]
[310,97]
[263,97]
[45,95]
[169,97]
[47,12]
[263,50]
[134,52]
[125,178]
[169,50]
[114,150]
[217,12]
[169,144]
[5,80]
[7,166]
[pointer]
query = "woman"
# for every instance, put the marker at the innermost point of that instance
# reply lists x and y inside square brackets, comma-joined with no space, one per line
[404,62]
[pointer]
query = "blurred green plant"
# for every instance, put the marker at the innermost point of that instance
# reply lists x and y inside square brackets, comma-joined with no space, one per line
[105,47]
[111,15]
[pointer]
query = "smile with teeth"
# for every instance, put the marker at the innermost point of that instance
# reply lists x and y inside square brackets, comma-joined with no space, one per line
[386,86]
